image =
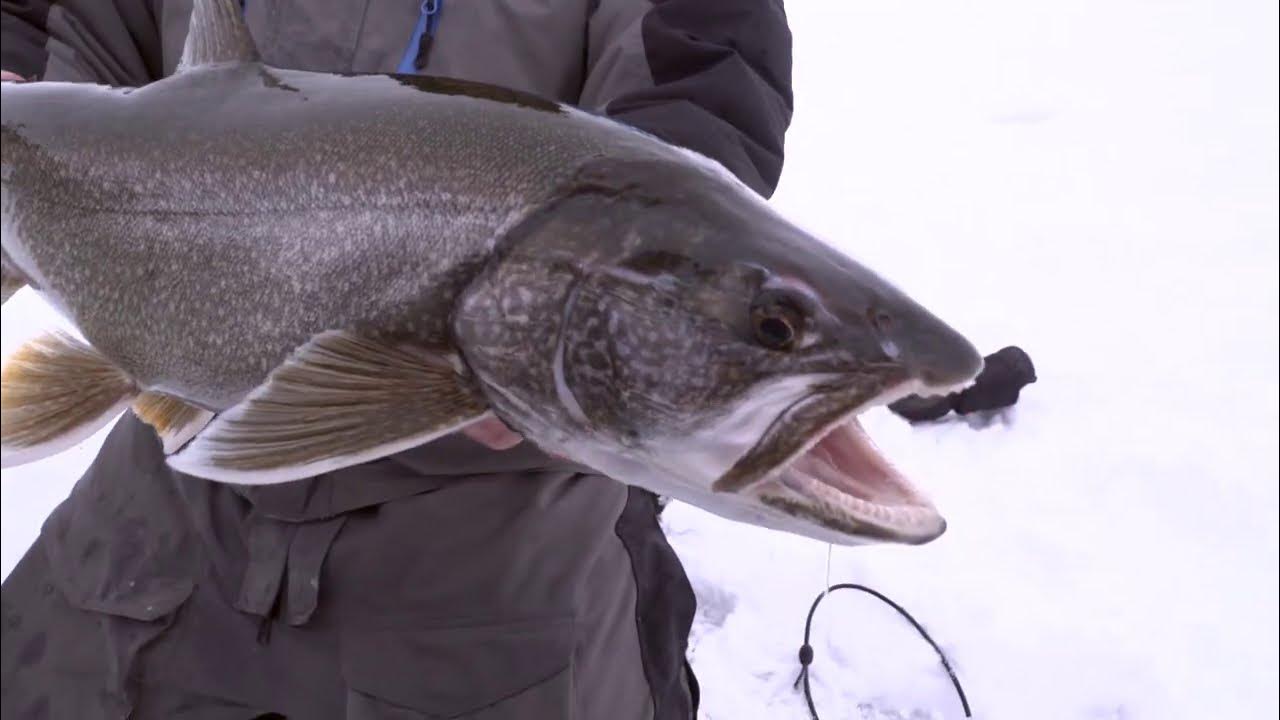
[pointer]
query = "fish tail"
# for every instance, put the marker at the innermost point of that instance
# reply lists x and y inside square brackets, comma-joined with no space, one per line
[56,391]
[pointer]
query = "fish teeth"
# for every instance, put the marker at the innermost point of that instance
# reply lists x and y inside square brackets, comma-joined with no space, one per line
[918,517]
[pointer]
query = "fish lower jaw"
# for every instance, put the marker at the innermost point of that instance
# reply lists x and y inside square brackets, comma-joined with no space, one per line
[912,522]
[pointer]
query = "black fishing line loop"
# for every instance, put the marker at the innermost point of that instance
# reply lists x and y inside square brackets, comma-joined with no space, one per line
[806,650]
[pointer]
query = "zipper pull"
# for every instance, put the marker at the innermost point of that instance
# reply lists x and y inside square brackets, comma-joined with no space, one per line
[431,13]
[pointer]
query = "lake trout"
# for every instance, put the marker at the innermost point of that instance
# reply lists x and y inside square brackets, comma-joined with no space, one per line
[291,272]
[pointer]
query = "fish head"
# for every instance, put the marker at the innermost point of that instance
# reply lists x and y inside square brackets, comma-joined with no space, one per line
[664,325]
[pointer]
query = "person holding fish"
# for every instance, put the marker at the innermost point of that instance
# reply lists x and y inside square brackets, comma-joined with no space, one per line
[409,321]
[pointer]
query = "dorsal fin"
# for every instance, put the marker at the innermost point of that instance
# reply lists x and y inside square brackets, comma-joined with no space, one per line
[217,34]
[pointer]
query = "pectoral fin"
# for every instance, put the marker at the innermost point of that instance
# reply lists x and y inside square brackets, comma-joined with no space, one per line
[54,392]
[175,421]
[340,400]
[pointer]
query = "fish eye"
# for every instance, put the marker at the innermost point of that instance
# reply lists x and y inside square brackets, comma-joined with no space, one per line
[777,320]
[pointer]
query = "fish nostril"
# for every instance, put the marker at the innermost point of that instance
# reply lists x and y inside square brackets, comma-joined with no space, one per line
[881,320]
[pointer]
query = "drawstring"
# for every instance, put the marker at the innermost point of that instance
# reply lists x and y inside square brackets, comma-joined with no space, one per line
[415,56]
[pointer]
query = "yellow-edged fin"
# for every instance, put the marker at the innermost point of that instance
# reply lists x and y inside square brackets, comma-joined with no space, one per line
[54,392]
[174,420]
[339,400]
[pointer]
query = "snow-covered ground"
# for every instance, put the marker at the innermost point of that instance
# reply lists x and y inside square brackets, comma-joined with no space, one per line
[1093,181]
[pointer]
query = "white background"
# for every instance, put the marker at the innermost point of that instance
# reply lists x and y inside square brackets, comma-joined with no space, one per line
[1097,183]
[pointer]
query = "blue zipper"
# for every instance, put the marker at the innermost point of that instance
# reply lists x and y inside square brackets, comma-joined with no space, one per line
[428,18]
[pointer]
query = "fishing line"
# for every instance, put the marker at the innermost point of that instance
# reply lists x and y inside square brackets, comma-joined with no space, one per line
[806,650]
[826,581]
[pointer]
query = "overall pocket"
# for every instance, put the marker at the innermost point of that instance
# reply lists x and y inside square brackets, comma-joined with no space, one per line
[502,671]
[95,640]
[118,552]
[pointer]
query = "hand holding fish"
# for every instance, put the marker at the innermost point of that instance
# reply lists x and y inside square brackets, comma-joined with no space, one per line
[493,433]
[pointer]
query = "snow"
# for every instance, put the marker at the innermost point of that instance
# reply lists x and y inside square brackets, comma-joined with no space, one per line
[1097,183]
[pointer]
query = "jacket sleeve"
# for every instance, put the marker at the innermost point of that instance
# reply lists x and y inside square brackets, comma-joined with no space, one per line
[114,42]
[714,77]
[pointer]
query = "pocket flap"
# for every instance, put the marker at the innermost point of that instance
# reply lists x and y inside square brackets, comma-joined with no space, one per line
[447,672]
[93,575]
[119,543]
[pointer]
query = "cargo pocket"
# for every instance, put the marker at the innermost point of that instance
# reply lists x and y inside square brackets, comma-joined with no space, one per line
[480,672]
[117,552]
[94,654]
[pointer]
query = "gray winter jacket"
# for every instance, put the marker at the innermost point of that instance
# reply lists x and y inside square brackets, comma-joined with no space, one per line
[449,581]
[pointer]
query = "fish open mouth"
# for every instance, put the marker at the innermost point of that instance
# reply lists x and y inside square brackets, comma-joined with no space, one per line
[846,484]
[818,465]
